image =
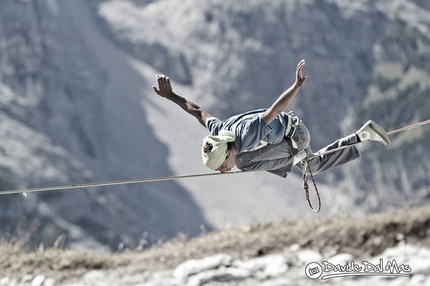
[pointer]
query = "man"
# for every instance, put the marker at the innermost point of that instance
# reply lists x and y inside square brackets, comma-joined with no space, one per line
[268,139]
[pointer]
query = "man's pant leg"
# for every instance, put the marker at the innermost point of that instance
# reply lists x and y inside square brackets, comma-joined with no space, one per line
[276,159]
[331,160]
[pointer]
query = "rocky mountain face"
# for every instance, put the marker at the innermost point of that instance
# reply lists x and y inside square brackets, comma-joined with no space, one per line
[77,106]
[56,130]
[398,95]
[245,53]
[365,60]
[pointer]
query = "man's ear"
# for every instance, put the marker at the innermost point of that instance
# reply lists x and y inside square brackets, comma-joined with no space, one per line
[228,153]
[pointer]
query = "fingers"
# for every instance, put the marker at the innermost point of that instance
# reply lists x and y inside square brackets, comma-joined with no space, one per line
[301,64]
[300,79]
[157,91]
[162,79]
[164,88]
[304,79]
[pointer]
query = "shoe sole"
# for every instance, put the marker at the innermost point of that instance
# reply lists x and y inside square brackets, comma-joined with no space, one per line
[380,131]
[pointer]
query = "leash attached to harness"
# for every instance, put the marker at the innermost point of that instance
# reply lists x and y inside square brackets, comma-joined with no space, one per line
[293,122]
[305,165]
[305,162]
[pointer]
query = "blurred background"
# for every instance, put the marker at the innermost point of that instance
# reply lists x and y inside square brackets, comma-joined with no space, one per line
[77,106]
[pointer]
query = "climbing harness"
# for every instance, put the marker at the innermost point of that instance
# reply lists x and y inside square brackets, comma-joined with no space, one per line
[125,182]
[292,121]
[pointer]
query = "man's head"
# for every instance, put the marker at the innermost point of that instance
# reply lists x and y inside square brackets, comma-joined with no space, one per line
[219,152]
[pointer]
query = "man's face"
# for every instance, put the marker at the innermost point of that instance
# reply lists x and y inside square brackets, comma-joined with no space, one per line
[228,163]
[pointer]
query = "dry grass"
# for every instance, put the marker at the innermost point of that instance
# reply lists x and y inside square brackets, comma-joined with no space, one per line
[364,236]
[369,235]
[16,260]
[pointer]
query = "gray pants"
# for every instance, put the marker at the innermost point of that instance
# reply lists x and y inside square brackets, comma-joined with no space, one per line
[278,158]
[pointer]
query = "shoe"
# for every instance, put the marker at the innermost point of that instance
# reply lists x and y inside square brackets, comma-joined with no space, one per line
[373,132]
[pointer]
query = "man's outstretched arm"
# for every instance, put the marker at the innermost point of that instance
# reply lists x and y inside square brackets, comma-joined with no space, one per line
[286,97]
[165,90]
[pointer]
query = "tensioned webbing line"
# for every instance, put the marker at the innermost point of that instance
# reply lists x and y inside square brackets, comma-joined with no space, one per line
[114,183]
[159,179]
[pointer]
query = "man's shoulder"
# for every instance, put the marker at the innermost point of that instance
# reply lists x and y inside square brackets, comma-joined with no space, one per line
[213,125]
[238,124]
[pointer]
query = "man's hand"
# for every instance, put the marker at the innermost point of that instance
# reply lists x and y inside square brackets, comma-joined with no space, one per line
[165,90]
[300,79]
[164,87]
[286,97]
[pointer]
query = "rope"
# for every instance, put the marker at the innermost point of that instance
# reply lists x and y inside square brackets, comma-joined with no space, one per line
[113,183]
[306,187]
[409,127]
[158,179]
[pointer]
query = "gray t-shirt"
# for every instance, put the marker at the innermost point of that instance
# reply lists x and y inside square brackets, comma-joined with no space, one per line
[250,129]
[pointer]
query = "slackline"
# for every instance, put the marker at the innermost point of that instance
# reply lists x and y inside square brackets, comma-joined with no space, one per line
[159,179]
[113,183]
